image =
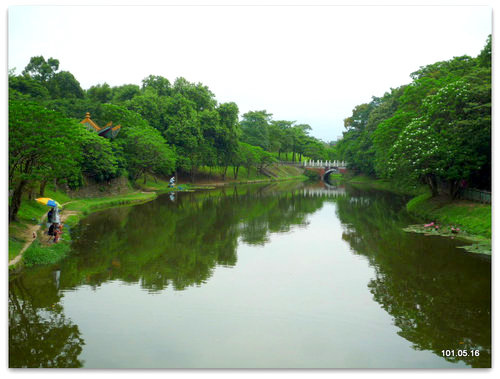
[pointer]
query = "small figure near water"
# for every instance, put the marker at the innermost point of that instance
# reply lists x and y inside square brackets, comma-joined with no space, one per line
[54,224]
[57,232]
[172,182]
[50,216]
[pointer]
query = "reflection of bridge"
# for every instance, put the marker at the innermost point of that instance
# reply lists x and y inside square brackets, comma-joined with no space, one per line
[326,190]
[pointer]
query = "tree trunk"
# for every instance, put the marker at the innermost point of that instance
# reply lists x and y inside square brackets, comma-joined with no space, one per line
[432,183]
[235,171]
[43,183]
[224,173]
[145,177]
[16,200]
[454,189]
[31,192]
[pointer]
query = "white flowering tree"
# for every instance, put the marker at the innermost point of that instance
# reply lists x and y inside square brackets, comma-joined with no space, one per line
[416,155]
[452,138]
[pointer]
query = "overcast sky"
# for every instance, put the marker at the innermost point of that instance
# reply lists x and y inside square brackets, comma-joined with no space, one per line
[311,64]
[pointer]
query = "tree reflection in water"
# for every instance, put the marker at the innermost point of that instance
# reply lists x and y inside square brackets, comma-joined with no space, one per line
[438,296]
[39,333]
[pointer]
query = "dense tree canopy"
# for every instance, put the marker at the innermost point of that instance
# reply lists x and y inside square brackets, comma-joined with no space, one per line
[41,147]
[436,130]
[166,127]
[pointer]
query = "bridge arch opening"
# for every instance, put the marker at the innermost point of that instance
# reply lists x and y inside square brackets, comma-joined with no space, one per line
[332,170]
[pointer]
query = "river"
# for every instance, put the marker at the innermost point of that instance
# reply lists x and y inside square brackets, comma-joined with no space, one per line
[281,275]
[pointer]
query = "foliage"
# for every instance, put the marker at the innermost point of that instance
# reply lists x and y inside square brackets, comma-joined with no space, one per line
[98,159]
[436,130]
[41,147]
[255,128]
[146,152]
[473,218]
[40,69]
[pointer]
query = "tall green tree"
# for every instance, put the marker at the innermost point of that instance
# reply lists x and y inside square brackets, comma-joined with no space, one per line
[160,85]
[198,93]
[183,131]
[41,146]
[255,128]
[226,139]
[101,93]
[40,69]
[125,92]
[64,85]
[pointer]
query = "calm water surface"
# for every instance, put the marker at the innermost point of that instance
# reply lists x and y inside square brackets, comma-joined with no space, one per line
[264,276]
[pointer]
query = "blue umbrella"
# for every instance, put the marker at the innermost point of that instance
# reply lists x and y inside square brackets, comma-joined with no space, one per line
[48,202]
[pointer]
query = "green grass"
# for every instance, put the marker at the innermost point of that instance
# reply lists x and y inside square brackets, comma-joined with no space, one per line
[336,176]
[284,171]
[39,254]
[61,197]
[161,186]
[216,173]
[419,204]
[287,157]
[86,206]
[252,175]
[31,213]
[15,246]
[472,218]
[153,185]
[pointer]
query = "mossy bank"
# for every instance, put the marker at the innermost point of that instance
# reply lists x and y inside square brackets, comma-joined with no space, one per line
[472,219]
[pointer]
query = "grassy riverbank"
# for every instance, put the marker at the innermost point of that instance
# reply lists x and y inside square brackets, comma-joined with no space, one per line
[29,216]
[32,214]
[31,222]
[86,206]
[473,219]
[275,172]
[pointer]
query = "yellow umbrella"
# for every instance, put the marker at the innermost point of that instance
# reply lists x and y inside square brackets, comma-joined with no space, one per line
[49,202]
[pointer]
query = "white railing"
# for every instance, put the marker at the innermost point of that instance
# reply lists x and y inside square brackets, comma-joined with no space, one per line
[320,163]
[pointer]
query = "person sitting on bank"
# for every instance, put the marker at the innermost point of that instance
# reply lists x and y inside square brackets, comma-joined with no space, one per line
[56,218]
[50,217]
[172,182]
[57,232]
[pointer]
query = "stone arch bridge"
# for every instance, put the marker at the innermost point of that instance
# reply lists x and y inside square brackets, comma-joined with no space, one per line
[325,168]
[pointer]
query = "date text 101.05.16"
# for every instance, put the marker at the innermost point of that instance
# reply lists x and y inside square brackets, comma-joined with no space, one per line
[460,353]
